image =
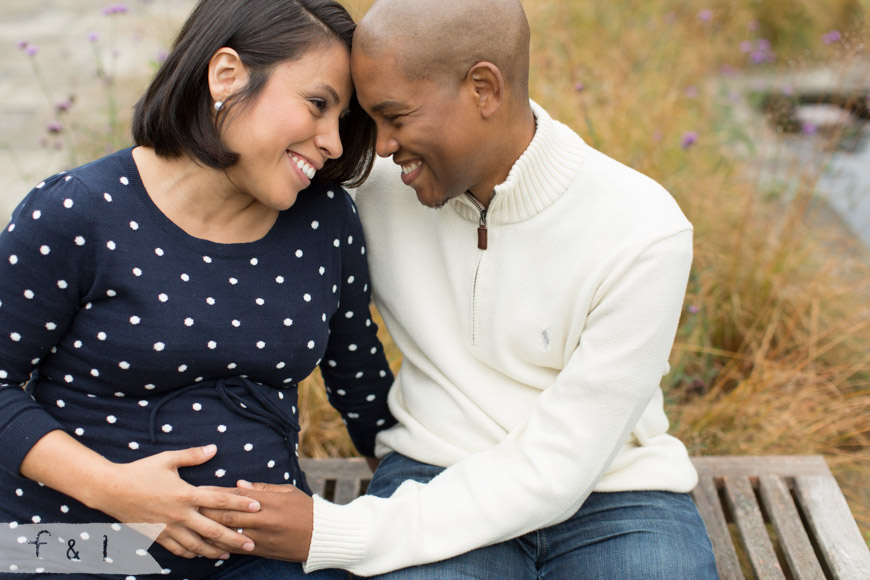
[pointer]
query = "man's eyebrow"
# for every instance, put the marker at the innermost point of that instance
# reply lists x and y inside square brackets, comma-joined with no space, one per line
[386,105]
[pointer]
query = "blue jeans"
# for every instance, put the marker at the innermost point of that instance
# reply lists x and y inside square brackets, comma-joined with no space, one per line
[643,535]
[265,569]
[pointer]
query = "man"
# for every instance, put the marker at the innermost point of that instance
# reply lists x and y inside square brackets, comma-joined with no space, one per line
[535,311]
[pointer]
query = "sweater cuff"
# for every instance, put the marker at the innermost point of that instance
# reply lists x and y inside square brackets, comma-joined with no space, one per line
[21,435]
[337,539]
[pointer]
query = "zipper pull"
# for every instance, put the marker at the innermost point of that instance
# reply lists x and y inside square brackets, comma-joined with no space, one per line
[481,228]
[481,231]
[481,237]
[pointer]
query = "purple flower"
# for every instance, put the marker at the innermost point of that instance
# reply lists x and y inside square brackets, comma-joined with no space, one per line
[54,127]
[689,139]
[705,15]
[693,309]
[762,52]
[22,44]
[62,106]
[809,128]
[578,86]
[162,55]
[746,46]
[93,36]
[832,37]
[115,9]
[31,50]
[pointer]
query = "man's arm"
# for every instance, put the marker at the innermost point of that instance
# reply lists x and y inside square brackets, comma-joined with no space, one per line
[540,474]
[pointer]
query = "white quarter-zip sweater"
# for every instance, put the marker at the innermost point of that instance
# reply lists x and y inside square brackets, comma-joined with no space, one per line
[531,369]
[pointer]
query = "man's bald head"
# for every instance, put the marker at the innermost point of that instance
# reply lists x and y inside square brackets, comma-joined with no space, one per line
[441,40]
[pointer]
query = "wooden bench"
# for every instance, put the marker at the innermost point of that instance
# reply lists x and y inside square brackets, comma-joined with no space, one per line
[770,517]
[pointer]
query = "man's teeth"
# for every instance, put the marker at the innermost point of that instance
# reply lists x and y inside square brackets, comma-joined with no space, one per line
[409,167]
[306,167]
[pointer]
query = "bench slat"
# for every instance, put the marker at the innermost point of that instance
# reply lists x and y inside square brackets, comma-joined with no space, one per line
[756,466]
[833,527]
[317,485]
[348,475]
[346,490]
[336,468]
[793,539]
[706,498]
[750,522]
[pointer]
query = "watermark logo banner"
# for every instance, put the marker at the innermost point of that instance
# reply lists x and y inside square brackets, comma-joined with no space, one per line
[78,548]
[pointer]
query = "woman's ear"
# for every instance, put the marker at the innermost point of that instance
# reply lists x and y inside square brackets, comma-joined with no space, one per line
[488,86]
[226,74]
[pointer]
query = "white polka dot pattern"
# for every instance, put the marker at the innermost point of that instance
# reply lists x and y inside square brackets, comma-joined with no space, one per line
[130,321]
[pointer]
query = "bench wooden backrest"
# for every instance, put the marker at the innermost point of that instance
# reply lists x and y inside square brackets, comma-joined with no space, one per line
[769,517]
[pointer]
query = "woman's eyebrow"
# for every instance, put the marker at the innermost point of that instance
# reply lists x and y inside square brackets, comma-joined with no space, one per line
[332,92]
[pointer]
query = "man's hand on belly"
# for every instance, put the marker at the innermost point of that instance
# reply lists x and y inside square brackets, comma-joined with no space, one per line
[281,529]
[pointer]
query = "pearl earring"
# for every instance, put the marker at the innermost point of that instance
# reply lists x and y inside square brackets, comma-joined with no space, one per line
[218,105]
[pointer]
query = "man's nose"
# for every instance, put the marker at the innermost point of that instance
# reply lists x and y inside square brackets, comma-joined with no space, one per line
[386,144]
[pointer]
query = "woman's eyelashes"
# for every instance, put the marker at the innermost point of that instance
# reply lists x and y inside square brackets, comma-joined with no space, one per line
[320,104]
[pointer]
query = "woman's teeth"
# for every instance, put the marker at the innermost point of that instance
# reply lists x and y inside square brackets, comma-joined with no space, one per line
[303,165]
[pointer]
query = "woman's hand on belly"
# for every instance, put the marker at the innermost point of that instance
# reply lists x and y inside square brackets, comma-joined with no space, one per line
[148,490]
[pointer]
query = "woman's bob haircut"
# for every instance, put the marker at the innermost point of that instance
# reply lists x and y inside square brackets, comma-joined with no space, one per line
[176,116]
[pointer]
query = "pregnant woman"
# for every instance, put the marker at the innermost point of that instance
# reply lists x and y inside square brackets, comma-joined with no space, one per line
[158,306]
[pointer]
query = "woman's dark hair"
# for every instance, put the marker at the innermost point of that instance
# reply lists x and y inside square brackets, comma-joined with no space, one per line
[175,115]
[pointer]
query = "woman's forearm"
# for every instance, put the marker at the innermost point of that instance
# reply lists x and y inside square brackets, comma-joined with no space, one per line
[65,465]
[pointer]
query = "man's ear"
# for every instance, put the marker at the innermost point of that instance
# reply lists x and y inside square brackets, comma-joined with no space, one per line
[488,85]
[226,74]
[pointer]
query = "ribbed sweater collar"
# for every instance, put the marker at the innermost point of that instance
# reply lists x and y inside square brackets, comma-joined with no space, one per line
[538,178]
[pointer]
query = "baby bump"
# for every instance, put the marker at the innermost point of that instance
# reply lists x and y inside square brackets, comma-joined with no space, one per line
[254,427]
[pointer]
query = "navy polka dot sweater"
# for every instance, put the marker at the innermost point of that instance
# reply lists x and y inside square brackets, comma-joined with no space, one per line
[136,338]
